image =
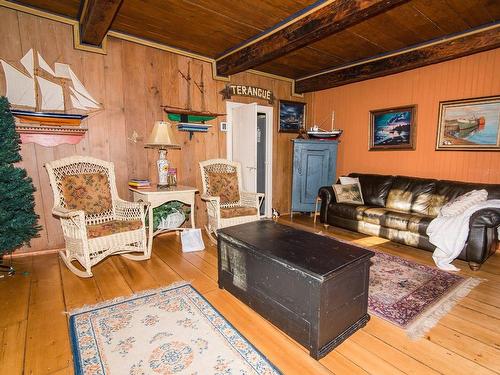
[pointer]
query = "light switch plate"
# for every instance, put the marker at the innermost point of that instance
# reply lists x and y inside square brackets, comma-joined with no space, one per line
[223,126]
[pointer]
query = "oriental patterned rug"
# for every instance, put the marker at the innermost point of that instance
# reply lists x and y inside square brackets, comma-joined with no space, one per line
[413,296]
[173,330]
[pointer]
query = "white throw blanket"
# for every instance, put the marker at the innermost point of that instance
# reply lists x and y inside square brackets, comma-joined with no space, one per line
[449,234]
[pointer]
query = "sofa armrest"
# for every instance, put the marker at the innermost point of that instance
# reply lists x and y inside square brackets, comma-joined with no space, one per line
[483,235]
[327,197]
[487,217]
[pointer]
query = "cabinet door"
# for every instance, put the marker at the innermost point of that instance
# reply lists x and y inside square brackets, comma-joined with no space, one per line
[314,167]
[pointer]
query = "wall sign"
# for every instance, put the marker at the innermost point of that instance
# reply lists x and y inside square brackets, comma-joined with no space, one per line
[246,90]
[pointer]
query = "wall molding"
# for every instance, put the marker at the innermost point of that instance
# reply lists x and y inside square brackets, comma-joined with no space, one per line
[75,24]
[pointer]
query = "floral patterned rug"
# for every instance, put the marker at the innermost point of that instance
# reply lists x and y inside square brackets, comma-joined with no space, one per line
[169,331]
[411,295]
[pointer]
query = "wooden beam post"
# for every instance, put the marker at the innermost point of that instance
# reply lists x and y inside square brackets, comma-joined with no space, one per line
[96,19]
[410,58]
[328,18]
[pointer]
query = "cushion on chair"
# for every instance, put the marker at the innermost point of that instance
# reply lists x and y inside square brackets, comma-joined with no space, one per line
[224,185]
[88,192]
[226,213]
[112,227]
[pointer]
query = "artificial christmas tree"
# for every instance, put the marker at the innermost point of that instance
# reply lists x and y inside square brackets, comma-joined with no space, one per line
[18,221]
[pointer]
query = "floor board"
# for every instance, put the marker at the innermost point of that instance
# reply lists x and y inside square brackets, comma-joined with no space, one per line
[34,328]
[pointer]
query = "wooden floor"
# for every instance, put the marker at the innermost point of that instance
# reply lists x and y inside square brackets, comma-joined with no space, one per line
[34,327]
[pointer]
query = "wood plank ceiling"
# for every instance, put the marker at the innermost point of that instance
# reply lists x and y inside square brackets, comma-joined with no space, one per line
[211,28]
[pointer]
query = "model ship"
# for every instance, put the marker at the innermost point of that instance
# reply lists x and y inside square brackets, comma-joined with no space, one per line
[44,94]
[316,132]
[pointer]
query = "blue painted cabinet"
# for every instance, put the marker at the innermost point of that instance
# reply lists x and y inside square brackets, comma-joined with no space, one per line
[314,166]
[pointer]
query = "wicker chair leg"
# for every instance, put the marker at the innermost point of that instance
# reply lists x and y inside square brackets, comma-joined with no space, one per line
[213,238]
[72,268]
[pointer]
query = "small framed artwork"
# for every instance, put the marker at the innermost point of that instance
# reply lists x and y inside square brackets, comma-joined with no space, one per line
[469,124]
[292,116]
[393,128]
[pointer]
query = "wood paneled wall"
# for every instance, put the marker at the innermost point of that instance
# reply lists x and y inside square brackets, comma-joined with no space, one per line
[131,82]
[473,76]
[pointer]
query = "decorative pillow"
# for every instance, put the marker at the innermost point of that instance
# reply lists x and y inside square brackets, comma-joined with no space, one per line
[344,180]
[461,203]
[88,192]
[224,185]
[350,193]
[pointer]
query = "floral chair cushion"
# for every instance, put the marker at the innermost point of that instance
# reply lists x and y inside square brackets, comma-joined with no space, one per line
[89,192]
[226,213]
[224,185]
[112,227]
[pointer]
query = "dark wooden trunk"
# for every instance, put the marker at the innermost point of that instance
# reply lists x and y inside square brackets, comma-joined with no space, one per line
[312,287]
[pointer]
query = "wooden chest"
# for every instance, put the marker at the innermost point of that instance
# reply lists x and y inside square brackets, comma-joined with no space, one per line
[312,287]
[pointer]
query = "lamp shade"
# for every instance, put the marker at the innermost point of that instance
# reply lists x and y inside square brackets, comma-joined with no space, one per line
[162,136]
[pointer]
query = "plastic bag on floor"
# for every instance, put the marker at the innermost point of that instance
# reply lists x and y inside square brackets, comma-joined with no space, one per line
[192,240]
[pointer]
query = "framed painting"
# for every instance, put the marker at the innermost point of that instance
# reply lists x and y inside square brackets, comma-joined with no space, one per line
[393,128]
[469,124]
[292,116]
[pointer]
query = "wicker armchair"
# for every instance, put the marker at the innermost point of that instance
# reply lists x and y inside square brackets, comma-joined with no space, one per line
[96,223]
[227,203]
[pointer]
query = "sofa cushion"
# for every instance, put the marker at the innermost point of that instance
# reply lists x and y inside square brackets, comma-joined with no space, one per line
[112,227]
[463,202]
[88,192]
[387,218]
[238,211]
[418,223]
[411,194]
[374,187]
[346,210]
[348,193]
[447,190]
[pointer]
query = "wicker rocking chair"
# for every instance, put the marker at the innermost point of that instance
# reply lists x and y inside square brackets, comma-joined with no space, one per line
[227,203]
[96,223]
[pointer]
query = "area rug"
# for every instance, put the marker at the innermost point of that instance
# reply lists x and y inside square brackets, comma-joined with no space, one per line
[169,331]
[413,296]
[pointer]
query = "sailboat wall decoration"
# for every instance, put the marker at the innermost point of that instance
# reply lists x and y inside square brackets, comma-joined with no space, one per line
[41,99]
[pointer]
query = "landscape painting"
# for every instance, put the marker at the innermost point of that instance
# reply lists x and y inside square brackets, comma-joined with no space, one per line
[292,116]
[471,124]
[393,128]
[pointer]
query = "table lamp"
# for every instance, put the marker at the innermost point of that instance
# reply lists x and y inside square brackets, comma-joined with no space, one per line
[162,138]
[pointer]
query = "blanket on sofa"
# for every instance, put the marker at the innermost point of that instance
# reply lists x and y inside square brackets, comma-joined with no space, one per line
[449,234]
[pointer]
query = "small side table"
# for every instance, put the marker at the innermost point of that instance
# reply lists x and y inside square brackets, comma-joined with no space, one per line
[316,211]
[158,196]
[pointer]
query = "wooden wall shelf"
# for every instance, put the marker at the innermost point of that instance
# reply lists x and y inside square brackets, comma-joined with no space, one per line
[50,136]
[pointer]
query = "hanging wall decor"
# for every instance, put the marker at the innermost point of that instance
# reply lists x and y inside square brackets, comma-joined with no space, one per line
[249,91]
[469,124]
[393,128]
[48,103]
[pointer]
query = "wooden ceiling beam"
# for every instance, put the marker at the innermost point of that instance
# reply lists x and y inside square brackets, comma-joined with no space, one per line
[400,61]
[328,18]
[96,19]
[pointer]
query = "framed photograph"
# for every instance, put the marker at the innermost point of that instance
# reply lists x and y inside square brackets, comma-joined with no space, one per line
[469,124]
[393,128]
[292,116]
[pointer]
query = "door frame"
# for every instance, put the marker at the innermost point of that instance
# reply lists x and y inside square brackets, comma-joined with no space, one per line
[269,111]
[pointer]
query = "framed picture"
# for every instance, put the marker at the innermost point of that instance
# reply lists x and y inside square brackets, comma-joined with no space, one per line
[393,128]
[469,124]
[292,116]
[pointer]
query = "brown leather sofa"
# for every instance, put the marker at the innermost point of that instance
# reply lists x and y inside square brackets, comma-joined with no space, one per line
[400,209]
